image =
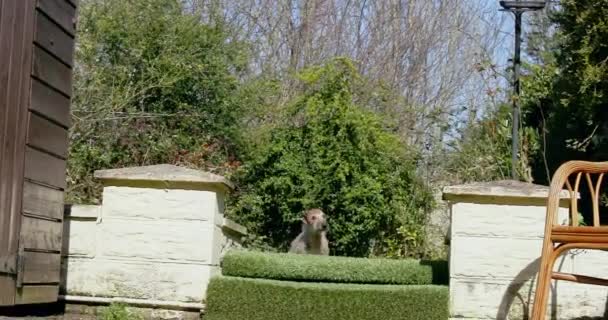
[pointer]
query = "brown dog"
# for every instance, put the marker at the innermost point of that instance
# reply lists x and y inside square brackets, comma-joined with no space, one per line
[313,238]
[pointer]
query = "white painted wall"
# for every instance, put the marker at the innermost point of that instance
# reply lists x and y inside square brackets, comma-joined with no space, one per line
[147,243]
[496,237]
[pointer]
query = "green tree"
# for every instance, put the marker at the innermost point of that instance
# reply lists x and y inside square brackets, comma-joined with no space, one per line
[566,98]
[483,153]
[152,85]
[334,154]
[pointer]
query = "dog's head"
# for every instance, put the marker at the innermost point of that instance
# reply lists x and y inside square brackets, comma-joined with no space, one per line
[315,220]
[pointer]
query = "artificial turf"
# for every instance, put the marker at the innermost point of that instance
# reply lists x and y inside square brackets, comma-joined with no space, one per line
[233,298]
[312,268]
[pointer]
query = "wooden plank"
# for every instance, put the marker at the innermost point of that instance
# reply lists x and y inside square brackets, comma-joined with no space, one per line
[16,38]
[8,265]
[8,133]
[7,290]
[45,168]
[37,294]
[45,135]
[42,201]
[60,11]
[54,39]
[50,103]
[41,267]
[50,70]
[39,234]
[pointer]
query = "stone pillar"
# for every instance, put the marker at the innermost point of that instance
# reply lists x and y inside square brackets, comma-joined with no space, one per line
[495,244]
[158,235]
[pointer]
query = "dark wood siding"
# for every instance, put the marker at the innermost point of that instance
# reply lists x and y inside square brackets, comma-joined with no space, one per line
[61,12]
[42,201]
[16,38]
[51,71]
[45,152]
[42,267]
[36,59]
[53,39]
[50,103]
[47,136]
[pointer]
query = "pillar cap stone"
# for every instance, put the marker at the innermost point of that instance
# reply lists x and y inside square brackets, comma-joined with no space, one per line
[164,176]
[499,190]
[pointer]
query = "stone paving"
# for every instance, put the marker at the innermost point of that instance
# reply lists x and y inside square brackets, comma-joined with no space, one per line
[60,317]
[48,312]
[85,312]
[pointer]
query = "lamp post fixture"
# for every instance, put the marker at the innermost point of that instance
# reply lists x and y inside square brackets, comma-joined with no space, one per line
[518,8]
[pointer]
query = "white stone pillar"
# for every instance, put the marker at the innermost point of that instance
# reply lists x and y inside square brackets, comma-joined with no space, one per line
[158,235]
[495,244]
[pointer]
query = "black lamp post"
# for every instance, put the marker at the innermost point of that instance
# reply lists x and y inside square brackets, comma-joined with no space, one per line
[518,8]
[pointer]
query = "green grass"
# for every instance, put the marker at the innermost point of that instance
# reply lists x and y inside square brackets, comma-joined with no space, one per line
[311,268]
[232,298]
[119,311]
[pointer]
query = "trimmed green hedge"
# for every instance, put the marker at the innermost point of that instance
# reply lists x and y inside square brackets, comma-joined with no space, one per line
[312,268]
[231,298]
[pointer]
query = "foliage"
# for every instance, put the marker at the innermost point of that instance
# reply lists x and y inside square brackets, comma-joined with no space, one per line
[484,152]
[566,99]
[231,298]
[333,154]
[152,85]
[281,266]
[569,98]
[165,81]
[119,311]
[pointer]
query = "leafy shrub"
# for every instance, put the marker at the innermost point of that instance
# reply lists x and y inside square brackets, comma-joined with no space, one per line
[274,266]
[333,154]
[119,311]
[484,151]
[231,298]
[152,84]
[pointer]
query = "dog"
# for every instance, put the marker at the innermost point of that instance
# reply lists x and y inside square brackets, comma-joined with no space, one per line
[313,238]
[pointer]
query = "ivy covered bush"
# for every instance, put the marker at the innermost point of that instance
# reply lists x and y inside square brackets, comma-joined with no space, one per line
[152,84]
[334,154]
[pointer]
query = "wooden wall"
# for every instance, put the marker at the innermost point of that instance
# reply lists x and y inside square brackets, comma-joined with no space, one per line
[16,36]
[36,112]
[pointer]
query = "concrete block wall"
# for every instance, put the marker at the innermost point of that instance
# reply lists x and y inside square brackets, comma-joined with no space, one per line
[158,235]
[495,243]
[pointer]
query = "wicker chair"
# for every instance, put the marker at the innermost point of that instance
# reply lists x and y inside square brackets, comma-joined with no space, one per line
[558,238]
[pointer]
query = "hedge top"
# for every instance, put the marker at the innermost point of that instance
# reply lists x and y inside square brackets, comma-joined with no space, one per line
[312,268]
